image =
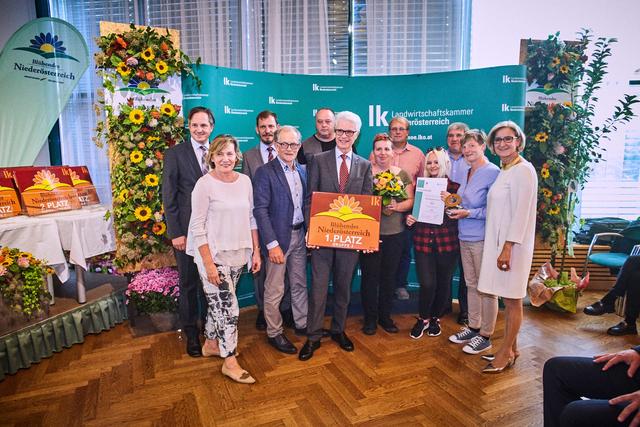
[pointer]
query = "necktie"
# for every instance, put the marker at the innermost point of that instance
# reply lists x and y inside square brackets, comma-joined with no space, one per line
[203,161]
[270,156]
[344,173]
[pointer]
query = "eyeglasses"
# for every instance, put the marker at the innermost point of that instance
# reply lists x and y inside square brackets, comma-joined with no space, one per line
[508,139]
[349,133]
[381,137]
[438,148]
[290,146]
[394,129]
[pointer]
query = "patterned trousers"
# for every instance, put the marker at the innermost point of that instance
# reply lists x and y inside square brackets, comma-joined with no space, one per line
[223,310]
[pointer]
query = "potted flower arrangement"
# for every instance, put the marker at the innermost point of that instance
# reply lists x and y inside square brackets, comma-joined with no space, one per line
[564,140]
[389,186]
[155,292]
[22,282]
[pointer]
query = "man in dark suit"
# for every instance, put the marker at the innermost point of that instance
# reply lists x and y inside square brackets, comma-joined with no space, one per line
[264,152]
[335,171]
[184,164]
[278,194]
[323,140]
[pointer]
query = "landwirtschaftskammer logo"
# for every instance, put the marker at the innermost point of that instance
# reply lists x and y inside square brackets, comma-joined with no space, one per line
[47,46]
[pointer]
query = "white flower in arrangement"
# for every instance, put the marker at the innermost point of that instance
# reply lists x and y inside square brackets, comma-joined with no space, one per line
[158,216]
[149,163]
[153,123]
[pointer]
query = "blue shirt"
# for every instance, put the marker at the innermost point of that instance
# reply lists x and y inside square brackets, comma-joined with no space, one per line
[459,168]
[474,199]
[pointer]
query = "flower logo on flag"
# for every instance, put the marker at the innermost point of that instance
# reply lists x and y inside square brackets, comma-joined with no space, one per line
[47,46]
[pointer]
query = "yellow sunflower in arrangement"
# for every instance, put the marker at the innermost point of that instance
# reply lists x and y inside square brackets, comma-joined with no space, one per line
[151,180]
[161,67]
[564,69]
[123,195]
[25,255]
[167,109]
[545,173]
[136,156]
[148,54]
[541,137]
[159,228]
[7,262]
[136,116]
[122,69]
[142,213]
[554,211]
[555,61]
[546,193]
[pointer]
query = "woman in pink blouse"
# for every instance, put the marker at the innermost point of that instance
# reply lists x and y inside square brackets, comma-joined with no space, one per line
[223,238]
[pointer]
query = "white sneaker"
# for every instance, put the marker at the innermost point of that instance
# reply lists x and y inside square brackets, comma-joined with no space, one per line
[478,344]
[464,336]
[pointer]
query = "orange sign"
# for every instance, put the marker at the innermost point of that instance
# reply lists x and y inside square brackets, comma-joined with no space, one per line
[344,221]
[9,204]
[81,180]
[46,189]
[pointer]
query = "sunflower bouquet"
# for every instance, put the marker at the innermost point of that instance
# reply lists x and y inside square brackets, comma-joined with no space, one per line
[142,57]
[389,186]
[22,281]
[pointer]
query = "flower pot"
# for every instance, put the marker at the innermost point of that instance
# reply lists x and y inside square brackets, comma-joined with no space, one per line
[164,321]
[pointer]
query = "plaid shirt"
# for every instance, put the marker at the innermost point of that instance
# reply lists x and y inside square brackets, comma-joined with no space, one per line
[430,238]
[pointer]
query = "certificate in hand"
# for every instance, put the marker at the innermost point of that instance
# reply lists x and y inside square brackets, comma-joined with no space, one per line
[428,206]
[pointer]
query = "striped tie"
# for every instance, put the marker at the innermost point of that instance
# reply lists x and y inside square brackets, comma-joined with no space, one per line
[203,160]
[270,156]
[344,173]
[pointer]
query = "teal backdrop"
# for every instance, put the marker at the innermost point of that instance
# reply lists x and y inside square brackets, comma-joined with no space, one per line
[430,102]
[40,66]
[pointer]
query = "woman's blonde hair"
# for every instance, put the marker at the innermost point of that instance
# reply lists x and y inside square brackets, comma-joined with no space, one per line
[444,162]
[218,144]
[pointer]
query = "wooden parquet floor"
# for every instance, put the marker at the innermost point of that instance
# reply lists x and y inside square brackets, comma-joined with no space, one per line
[389,380]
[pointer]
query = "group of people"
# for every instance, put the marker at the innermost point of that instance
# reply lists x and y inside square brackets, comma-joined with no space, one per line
[220,221]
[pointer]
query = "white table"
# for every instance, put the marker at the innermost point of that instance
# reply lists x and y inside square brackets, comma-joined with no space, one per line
[84,233]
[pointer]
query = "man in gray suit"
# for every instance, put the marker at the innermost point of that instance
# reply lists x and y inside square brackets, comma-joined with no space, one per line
[278,194]
[336,171]
[184,164]
[264,152]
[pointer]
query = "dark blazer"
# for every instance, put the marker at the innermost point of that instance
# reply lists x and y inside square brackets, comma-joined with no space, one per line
[251,161]
[273,205]
[180,173]
[323,176]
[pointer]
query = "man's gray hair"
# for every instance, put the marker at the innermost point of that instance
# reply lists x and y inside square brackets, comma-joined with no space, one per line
[350,117]
[288,128]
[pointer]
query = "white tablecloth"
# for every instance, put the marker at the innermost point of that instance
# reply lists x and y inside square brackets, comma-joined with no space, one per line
[84,233]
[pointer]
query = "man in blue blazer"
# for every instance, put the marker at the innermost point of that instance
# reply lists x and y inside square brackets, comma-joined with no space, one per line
[279,190]
[184,164]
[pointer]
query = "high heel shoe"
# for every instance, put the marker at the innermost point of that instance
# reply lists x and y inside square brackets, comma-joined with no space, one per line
[490,369]
[491,357]
[243,378]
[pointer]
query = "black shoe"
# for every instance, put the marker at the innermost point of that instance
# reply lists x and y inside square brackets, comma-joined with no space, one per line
[598,309]
[261,324]
[623,328]
[306,352]
[463,319]
[282,343]
[301,332]
[389,327]
[326,333]
[287,319]
[369,328]
[343,341]
[434,327]
[194,348]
